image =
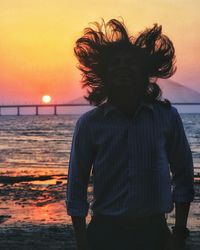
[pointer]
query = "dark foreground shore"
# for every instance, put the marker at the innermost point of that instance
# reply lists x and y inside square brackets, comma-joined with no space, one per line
[56,237]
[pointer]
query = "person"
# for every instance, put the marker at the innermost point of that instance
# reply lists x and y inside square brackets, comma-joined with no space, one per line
[133,144]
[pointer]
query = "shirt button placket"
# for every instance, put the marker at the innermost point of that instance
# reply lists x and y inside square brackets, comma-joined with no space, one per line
[129,156]
[130,127]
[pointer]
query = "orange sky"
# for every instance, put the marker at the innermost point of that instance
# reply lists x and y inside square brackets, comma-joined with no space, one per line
[37,40]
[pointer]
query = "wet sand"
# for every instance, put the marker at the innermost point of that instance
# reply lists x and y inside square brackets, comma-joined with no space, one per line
[34,199]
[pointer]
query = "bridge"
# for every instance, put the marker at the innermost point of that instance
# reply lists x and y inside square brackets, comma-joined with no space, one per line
[37,106]
[55,106]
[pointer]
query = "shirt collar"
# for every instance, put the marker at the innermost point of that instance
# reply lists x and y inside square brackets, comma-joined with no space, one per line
[109,106]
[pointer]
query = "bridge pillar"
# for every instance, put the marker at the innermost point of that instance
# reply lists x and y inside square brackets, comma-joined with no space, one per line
[36,110]
[55,110]
[18,111]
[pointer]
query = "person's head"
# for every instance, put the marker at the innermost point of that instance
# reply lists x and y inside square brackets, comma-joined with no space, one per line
[125,72]
[111,60]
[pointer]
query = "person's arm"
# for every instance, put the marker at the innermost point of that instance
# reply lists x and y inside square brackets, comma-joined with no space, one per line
[80,163]
[181,165]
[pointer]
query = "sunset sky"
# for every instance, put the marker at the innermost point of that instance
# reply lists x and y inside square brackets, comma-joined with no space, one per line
[38,36]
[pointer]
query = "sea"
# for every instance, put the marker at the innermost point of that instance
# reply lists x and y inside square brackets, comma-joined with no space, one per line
[44,141]
[34,158]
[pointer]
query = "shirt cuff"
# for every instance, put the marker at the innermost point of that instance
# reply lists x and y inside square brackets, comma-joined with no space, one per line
[77,208]
[184,195]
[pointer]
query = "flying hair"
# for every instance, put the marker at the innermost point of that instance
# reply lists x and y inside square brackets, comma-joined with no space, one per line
[98,44]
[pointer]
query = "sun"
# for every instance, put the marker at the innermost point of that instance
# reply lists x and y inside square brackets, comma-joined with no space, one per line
[46,99]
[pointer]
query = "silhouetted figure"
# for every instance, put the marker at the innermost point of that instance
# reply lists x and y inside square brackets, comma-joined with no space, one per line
[131,141]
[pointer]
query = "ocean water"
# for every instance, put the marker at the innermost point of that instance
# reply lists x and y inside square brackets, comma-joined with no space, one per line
[45,141]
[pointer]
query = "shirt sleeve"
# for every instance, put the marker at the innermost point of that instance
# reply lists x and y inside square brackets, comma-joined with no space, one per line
[181,162]
[80,162]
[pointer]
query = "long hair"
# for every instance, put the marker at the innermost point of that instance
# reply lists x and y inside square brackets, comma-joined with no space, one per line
[97,45]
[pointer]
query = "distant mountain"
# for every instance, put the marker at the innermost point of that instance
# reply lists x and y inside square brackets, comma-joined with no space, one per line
[81,100]
[176,92]
[172,90]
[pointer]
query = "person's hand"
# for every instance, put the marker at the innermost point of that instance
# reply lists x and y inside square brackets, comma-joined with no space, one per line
[83,246]
[80,230]
[177,243]
[178,237]
[82,243]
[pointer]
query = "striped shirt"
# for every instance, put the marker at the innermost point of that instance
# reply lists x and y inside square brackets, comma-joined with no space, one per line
[130,160]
